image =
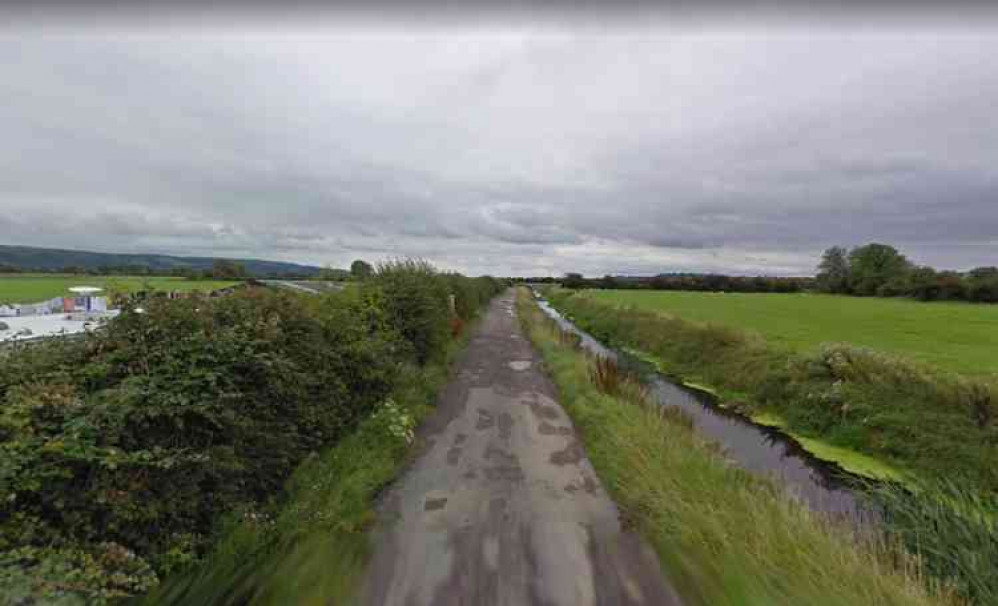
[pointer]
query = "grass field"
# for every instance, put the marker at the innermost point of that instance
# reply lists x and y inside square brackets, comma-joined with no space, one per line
[33,288]
[961,337]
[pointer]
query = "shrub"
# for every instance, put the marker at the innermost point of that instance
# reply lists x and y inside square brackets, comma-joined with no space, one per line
[121,452]
[415,300]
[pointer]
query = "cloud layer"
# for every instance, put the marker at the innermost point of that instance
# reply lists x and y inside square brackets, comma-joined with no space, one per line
[505,152]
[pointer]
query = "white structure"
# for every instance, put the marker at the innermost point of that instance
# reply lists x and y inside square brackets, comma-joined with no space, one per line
[63,315]
[85,297]
[25,328]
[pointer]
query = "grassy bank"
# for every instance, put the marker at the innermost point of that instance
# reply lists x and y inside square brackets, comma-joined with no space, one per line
[906,415]
[724,536]
[22,288]
[960,337]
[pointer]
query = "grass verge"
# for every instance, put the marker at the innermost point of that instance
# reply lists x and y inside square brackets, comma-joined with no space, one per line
[838,399]
[313,546]
[724,536]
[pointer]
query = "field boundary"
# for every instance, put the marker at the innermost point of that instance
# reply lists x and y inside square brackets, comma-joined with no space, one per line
[907,416]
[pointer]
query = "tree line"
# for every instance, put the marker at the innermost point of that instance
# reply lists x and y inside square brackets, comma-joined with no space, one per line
[880,270]
[683,281]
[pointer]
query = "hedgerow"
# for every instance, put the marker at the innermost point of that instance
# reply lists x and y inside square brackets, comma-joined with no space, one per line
[122,452]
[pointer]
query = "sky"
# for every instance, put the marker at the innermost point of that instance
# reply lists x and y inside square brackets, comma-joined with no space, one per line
[505,149]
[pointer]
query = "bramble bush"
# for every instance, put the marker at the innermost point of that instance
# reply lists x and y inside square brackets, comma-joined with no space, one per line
[122,451]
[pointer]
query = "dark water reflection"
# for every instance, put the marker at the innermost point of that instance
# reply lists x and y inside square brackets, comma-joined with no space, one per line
[756,448]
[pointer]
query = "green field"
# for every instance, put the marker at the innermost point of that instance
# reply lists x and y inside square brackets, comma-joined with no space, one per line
[40,287]
[961,337]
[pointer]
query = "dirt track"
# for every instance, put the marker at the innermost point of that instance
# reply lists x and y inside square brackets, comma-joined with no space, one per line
[502,506]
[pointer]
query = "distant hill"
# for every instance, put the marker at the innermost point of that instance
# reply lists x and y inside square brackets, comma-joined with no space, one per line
[54,259]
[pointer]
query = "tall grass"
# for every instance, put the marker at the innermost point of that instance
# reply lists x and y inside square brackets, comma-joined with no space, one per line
[932,422]
[953,530]
[723,535]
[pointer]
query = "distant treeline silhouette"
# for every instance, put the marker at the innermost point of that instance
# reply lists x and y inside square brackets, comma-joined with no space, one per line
[873,270]
[685,281]
[880,270]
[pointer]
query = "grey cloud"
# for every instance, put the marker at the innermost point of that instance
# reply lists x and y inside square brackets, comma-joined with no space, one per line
[505,152]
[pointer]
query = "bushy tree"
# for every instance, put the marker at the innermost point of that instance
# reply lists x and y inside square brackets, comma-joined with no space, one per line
[874,265]
[982,285]
[361,270]
[983,273]
[833,271]
[226,269]
[573,280]
[415,301]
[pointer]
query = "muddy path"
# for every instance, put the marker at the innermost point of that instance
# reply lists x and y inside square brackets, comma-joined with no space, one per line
[502,506]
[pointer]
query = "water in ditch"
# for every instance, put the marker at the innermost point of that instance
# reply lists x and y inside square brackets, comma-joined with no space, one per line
[756,448]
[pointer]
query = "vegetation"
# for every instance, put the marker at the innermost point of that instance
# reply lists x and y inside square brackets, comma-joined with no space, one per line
[127,455]
[904,414]
[313,546]
[880,270]
[33,288]
[725,536]
[953,530]
[954,336]
[224,269]
[684,281]
[908,415]
[361,270]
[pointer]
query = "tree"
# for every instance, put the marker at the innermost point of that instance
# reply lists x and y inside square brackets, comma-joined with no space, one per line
[609,282]
[833,271]
[573,280]
[983,273]
[982,285]
[873,265]
[923,284]
[226,269]
[361,270]
[951,286]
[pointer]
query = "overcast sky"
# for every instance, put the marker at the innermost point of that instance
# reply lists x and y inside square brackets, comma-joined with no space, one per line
[524,150]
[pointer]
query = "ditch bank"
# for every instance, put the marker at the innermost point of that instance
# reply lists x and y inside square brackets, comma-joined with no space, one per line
[824,486]
[947,526]
[874,414]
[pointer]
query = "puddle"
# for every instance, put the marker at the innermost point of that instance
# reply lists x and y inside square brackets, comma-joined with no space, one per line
[519,365]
